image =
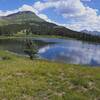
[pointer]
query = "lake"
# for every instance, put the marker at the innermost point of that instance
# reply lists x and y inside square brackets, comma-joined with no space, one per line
[59,50]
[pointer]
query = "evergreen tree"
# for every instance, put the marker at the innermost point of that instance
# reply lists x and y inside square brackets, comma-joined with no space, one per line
[30,49]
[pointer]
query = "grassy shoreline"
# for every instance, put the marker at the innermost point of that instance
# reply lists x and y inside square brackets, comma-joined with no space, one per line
[25,79]
[32,36]
[44,36]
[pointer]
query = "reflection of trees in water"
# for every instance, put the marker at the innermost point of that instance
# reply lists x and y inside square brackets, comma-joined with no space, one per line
[30,48]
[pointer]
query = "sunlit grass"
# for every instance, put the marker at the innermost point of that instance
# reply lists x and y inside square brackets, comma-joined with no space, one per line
[25,79]
[16,36]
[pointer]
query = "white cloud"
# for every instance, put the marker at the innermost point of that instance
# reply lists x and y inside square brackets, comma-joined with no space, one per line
[41,6]
[86,0]
[70,8]
[5,13]
[27,8]
[81,16]
[45,17]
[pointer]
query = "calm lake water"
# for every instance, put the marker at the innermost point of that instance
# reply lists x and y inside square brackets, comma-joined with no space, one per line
[61,50]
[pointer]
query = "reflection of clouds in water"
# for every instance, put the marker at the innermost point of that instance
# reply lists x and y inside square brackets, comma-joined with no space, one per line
[76,53]
[43,50]
[85,55]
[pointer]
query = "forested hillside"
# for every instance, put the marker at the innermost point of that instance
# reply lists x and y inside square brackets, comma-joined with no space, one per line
[29,23]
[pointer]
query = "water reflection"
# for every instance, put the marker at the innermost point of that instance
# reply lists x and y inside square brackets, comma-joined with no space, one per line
[62,50]
[71,51]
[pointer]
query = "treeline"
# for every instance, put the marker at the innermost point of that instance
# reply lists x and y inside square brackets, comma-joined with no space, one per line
[29,27]
[45,28]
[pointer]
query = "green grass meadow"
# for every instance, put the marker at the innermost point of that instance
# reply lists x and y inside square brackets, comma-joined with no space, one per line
[25,79]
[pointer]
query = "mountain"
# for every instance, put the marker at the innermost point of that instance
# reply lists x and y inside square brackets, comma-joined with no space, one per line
[28,23]
[25,20]
[91,32]
[19,18]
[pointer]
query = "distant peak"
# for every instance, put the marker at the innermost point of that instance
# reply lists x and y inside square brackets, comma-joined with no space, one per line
[91,32]
[20,12]
[30,12]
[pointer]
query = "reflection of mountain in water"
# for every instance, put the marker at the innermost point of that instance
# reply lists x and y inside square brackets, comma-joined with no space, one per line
[18,45]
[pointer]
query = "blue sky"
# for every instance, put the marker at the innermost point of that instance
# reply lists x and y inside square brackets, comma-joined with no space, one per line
[13,4]
[74,14]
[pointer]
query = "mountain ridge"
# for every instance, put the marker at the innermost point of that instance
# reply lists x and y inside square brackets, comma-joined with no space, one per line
[28,22]
[91,32]
[15,18]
